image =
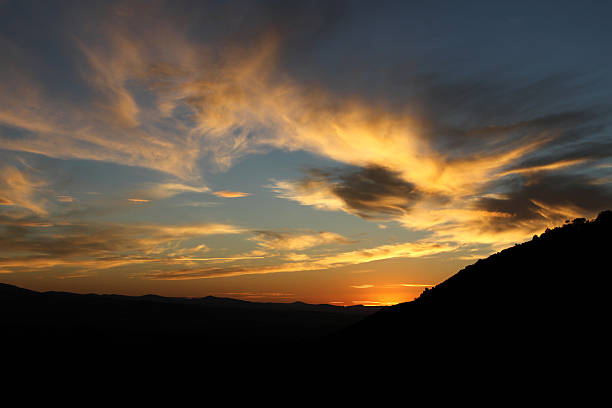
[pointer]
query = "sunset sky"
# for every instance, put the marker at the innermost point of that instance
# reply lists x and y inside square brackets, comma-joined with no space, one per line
[323,151]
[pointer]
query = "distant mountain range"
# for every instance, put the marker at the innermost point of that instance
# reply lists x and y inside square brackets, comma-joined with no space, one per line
[69,320]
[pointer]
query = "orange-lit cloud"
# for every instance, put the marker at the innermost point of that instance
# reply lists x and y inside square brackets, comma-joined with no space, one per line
[291,241]
[230,194]
[18,188]
[295,257]
[370,303]
[170,189]
[405,250]
[98,247]
[545,167]
[463,219]
[239,104]
[395,285]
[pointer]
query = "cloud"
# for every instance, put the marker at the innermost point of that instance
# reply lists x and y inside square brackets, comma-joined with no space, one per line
[22,219]
[193,229]
[230,194]
[314,193]
[546,199]
[24,246]
[430,149]
[291,241]
[295,257]
[403,250]
[161,191]
[370,192]
[225,272]
[409,285]
[222,104]
[167,190]
[369,303]
[395,285]
[18,188]
[509,207]
[543,167]
[190,251]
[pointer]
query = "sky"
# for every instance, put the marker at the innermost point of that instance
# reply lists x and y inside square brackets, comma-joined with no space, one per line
[322,151]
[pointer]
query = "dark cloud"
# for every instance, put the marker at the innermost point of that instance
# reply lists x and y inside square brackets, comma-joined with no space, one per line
[547,197]
[375,190]
[469,116]
[369,192]
[31,242]
[31,236]
[588,152]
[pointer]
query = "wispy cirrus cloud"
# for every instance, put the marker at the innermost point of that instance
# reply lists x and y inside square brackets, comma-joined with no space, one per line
[296,240]
[410,285]
[165,190]
[393,285]
[20,188]
[403,250]
[239,104]
[25,247]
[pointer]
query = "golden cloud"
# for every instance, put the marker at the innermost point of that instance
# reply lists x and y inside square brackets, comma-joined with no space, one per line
[234,102]
[230,194]
[97,247]
[18,188]
[291,241]
[412,249]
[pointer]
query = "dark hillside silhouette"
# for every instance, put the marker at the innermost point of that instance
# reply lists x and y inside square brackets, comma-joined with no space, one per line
[547,298]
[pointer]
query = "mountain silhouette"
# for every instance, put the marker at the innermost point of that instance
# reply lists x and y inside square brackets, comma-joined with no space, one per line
[542,300]
[86,322]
